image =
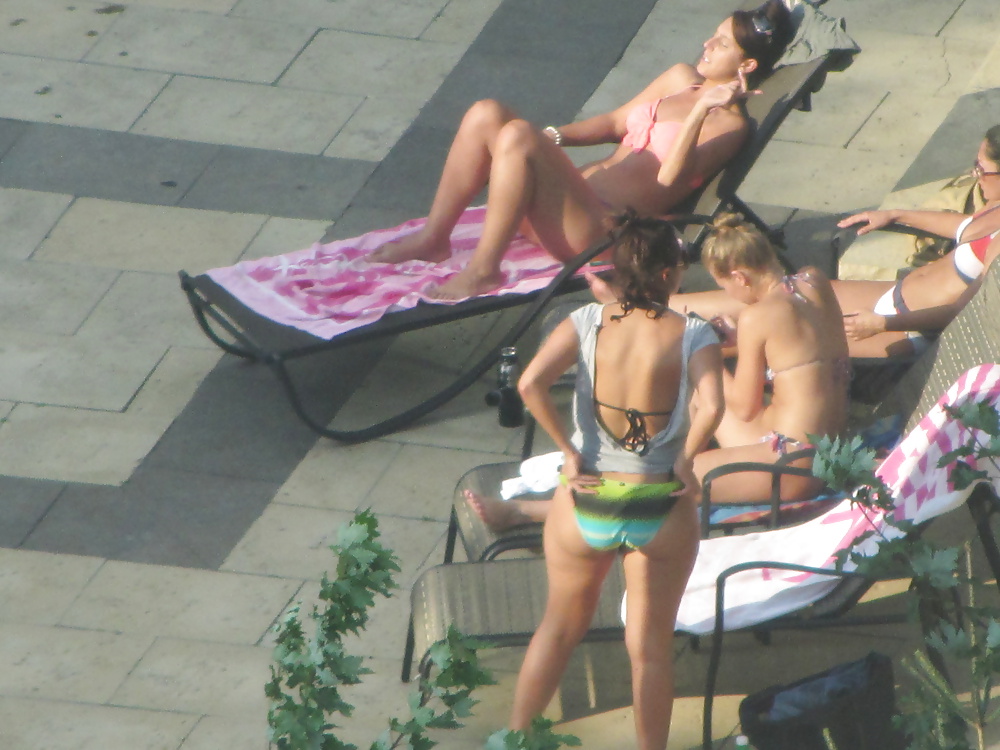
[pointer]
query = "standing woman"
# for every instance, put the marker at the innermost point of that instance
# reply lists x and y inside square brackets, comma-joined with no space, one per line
[791,335]
[627,483]
[679,131]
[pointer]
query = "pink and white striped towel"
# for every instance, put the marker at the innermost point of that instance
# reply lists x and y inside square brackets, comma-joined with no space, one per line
[330,289]
[921,489]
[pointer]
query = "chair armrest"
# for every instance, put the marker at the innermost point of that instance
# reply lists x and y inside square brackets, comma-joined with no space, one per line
[777,470]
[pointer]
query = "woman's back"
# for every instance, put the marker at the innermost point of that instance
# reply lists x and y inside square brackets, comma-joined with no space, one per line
[632,387]
[806,353]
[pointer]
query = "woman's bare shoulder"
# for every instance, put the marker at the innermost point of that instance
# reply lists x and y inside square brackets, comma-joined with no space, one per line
[676,78]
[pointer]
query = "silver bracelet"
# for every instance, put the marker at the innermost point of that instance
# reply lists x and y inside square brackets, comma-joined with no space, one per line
[554,133]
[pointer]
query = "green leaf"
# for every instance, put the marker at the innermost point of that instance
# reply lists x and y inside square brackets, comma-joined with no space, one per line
[938,567]
[964,475]
[976,415]
[506,739]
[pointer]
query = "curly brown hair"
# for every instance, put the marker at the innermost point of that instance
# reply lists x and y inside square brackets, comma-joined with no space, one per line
[646,253]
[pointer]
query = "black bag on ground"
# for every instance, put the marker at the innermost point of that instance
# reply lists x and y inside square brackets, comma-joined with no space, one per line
[853,702]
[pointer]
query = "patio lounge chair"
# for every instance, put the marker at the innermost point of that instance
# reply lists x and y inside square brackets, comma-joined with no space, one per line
[237,328]
[501,601]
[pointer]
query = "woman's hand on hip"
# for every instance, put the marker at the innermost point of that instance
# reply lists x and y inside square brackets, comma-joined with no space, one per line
[576,479]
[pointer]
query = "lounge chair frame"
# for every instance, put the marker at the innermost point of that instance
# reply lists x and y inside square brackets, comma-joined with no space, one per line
[237,330]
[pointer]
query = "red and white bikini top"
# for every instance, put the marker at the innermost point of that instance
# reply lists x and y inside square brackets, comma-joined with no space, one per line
[970,257]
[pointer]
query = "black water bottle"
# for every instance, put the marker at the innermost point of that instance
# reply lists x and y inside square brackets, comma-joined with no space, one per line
[510,409]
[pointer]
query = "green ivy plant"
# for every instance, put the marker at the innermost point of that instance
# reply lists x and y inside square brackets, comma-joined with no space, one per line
[962,634]
[311,668]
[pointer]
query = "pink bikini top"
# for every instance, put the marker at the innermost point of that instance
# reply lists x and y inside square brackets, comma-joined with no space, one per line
[643,132]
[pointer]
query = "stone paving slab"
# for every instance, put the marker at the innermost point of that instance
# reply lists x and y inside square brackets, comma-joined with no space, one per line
[279,233]
[277,184]
[49,299]
[214,732]
[171,41]
[293,542]
[104,164]
[27,217]
[50,28]
[157,517]
[220,7]
[404,20]
[182,603]
[38,587]
[247,114]
[393,66]
[69,445]
[73,372]
[375,127]
[199,677]
[26,724]
[26,502]
[56,663]
[73,93]
[142,306]
[148,238]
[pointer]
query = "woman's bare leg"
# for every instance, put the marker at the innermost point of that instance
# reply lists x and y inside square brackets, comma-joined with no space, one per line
[501,514]
[534,185]
[466,171]
[752,486]
[656,577]
[575,572]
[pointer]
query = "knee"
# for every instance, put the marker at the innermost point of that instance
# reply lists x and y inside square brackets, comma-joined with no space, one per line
[486,114]
[649,648]
[517,136]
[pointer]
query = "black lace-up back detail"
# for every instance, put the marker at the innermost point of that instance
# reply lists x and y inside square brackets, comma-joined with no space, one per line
[636,438]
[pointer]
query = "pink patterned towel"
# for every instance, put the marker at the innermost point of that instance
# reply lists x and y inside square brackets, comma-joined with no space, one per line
[921,490]
[330,289]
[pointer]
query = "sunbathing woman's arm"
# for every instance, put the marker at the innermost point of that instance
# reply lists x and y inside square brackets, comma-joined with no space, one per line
[609,127]
[941,223]
[704,144]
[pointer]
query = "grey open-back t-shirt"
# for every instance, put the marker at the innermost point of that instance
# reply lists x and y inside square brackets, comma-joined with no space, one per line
[599,449]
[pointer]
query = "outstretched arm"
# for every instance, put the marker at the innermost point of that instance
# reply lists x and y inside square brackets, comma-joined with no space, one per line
[941,223]
[609,127]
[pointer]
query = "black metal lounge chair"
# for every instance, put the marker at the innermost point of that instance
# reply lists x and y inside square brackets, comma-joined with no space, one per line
[240,331]
[501,601]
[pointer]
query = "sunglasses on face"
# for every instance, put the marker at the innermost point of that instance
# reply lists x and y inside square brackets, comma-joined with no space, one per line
[978,172]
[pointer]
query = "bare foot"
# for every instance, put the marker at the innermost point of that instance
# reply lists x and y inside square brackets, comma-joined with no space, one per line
[464,284]
[411,247]
[497,514]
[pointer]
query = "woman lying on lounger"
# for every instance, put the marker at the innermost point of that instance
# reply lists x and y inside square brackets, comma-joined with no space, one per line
[627,483]
[674,135]
[885,318]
